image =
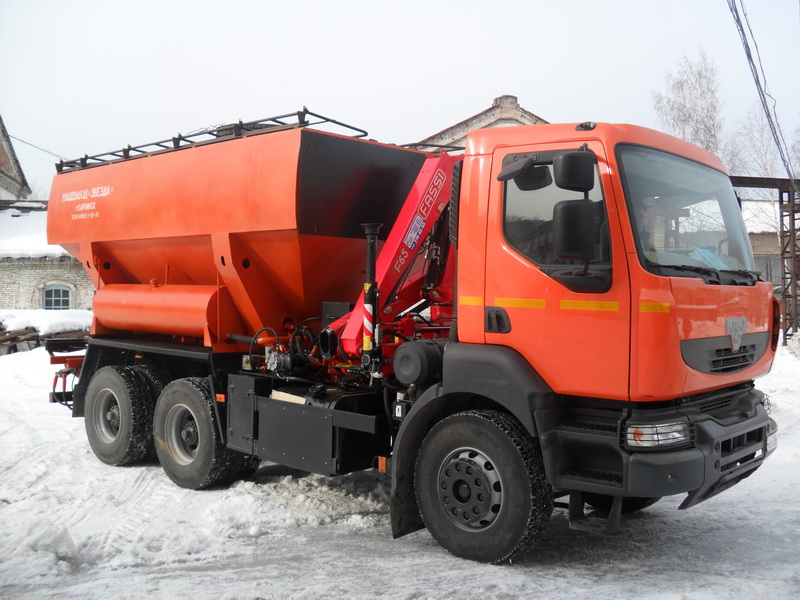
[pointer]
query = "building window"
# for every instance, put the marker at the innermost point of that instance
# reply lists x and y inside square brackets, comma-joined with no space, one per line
[56,297]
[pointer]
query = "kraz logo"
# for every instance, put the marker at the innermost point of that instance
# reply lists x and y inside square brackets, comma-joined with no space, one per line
[735,328]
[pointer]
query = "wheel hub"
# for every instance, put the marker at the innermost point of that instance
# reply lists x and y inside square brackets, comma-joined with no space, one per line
[470,489]
[189,434]
[112,416]
[106,416]
[181,434]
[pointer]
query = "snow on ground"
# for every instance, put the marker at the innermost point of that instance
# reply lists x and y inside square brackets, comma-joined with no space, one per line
[46,322]
[73,527]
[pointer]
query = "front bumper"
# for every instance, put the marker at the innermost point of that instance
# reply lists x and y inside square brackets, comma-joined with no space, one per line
[723,455]
[730,440]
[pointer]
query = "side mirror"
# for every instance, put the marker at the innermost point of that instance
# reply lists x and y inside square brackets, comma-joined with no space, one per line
[527,175]
[574,170]
[573,229]
[573,239]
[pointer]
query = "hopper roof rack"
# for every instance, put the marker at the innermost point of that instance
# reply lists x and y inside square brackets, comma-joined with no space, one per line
[304,118]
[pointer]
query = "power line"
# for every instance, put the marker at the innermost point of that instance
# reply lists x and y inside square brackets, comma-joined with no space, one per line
[38,148]
[769,112]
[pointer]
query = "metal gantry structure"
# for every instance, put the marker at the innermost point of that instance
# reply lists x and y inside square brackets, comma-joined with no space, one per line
[789,211]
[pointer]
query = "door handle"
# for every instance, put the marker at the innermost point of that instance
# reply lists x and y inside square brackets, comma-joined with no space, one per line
[497,320]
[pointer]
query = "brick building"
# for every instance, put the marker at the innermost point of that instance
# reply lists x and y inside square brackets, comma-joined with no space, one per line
[32,274]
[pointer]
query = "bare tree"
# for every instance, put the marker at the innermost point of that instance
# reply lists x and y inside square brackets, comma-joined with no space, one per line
[690,109]
[761,159]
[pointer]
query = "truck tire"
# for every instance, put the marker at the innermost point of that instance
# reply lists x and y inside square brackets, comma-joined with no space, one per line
[156,380]
[117,418]
[187,437]
[602,503]
[481,486]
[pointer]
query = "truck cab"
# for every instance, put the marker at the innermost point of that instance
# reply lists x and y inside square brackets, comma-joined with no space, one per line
[606,296]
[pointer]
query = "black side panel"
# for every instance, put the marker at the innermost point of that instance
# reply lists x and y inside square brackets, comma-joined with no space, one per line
[296,435]
[498,373]
[242,424]
[344,182]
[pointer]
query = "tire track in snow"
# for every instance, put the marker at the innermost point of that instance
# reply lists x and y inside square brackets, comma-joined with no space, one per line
[131,513]
[17,424]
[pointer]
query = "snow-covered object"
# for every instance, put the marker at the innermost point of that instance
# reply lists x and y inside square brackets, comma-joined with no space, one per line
[72,527]
[24,235]
[46,322]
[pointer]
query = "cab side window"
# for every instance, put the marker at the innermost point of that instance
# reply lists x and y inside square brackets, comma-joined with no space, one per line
[528,218]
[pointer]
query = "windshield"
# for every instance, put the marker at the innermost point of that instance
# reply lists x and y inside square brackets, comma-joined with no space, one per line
[685,217]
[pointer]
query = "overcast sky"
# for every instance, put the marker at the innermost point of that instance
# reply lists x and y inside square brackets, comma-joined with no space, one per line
[89,76]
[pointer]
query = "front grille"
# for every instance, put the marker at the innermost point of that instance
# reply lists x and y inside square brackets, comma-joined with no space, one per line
[741,449]
[725,360]
[714,355]
[714,402]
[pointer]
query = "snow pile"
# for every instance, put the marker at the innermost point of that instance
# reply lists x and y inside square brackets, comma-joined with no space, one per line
[73,527]
[24,235]
[46,322]
[794,345]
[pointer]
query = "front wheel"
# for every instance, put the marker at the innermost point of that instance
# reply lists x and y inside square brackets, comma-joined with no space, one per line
[481,487]
[187,437]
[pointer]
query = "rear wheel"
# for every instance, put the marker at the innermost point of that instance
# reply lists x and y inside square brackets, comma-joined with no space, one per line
[187,437]
[481,487]
[156,380]
[117,416]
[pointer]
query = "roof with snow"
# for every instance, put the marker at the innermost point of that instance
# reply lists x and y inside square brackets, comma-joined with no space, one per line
[24,235]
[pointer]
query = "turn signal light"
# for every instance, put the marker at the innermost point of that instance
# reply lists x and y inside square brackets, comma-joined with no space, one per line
[657,435]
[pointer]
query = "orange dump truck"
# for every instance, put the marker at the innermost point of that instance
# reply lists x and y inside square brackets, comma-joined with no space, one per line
[560,312]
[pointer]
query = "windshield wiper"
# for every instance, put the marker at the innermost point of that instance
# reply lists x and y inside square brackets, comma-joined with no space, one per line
[711,274]
[745,273]
[750,276]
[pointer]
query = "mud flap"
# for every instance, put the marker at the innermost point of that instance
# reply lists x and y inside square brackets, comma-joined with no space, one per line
[580,521]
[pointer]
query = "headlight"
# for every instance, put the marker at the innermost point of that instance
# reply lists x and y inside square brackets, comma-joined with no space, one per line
[656,435]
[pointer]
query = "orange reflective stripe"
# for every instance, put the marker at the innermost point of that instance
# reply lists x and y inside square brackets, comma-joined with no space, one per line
[654,307]
[593,305]
[470,300]
[520,302]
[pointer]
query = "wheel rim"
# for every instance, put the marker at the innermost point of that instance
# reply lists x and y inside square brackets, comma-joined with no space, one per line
[181,434]
[107,416]
[470,489]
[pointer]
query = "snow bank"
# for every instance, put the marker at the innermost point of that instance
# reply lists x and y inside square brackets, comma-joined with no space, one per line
[46,322]
[794,345]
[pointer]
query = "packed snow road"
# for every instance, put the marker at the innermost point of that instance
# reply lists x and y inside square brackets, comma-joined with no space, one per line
[73,527]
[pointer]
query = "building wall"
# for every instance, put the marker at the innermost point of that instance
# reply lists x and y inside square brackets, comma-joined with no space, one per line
[767,254]
[23,280]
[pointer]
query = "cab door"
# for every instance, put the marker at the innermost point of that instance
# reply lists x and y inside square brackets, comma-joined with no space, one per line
[569,318]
